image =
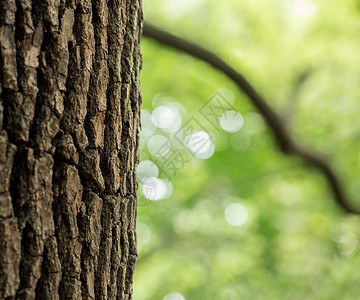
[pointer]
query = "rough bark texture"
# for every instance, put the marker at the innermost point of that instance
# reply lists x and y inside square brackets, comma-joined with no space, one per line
[69,120]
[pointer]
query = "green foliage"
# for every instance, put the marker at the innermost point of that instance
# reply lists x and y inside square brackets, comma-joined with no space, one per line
[296,243]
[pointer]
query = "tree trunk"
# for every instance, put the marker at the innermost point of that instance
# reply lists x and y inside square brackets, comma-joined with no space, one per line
[69,121]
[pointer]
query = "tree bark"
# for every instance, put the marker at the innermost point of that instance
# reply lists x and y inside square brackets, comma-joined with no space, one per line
[69,121]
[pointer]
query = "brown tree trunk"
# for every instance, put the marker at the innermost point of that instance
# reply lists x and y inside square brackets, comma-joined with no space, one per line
[69,121]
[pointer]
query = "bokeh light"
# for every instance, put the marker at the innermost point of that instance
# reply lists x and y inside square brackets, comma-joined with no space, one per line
[162,116]
[304,7]
[231,121]
[143,233]
[236,214]
[158,145]
[153,188]
[174,296]
[253,123]
[147,127]
[146,168]
[198,142]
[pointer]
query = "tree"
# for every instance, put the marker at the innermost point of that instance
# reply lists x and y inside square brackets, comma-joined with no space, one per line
[69,120]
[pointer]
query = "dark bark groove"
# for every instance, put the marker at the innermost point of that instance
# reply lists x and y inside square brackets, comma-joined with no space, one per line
[69,122]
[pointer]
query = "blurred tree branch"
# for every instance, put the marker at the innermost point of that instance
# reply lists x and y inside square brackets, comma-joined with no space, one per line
[274,121]
[300,80]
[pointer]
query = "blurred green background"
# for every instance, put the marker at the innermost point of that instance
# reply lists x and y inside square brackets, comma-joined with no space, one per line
[245,221]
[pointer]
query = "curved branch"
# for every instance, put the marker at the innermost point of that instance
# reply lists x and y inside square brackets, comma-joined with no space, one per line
[292,101]
[275,122]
